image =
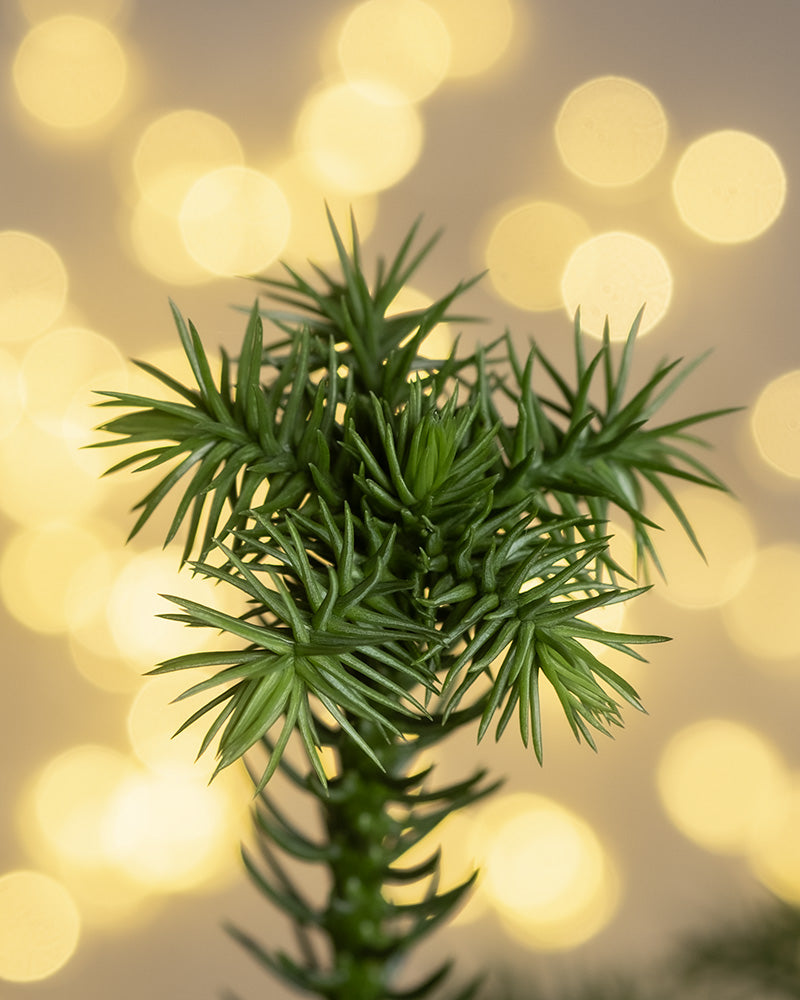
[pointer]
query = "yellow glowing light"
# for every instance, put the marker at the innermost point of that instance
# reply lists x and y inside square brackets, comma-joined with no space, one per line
[37,568]
[12,393]
[528,251]
[547,873]
[101,10]
[776,857]
[691,581]
[39,926]
[775,423]
[26,487]
[179,148]
[613,275]
[402,44]
[480,33]
[157,242]
[439,342]
[729,186]
[33,285]
[611,131]
[235,221]
[355,143]
[70,72]
[761,618]
[310,236]
[719,781]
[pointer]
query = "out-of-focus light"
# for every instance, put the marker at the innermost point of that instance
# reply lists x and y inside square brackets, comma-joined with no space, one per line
[761,618]
[611,131]
[402,44]
[528,251]
[12,393]
[719,781]
[310,237]
[39,926]
[729,186]
[54,485]
[355,143]
[37,568]
[480,33]
[775,423]
[179,148]
[70,72]
[157,242]
[33,285]
[776,857]
[690,580]
[438,343]
[235,221]
[546,873]
[100,10]
[613,275]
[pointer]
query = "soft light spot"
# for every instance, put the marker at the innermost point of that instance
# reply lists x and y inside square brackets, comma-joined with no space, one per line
[438,343]
[101,10]
[613,275]
[691,581]
[719,781]
[611,131]
[179,148]
[480,33]
[356,143]
[33,285]
[310,238]
[12,393]
[528,251]
[235,221]
[158,245]
[776,857]
[729,186]
[546,872]
[70,72]
[775,423]
[39,926]
[400,44]
[762,617]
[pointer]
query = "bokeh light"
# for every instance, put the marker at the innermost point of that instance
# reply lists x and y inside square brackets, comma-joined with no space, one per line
[401,45]
[611,131]
[546,873]
[33,285]
[762,617]
[158,245]
[39,926]
[12,393]
[729,186]
[235,221]
[70,72]
[528,250]
[719,781]
[439,342]
[613,275]
[176,150]
[356,143]
[776,858]
[717,518]
[480,33]
[775,423]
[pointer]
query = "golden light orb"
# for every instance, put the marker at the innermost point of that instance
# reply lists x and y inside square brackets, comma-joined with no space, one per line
[719,781]
[611,131]
[70,72]
[775,859]
[401,45]
[358,143]
[235,221]
[612,276]
[729,186]
[439,342]
[158,246]
[39,926]
[12,393]
[528,251]
[546,873]
[33,285]
[775,423]
[480,33]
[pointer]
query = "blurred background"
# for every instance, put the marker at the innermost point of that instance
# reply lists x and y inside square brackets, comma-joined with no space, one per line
[596,154]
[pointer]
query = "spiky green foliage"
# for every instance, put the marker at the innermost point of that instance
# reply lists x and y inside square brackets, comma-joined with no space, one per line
[408,558]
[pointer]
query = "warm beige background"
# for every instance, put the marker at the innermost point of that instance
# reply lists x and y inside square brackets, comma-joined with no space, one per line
[488,142]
